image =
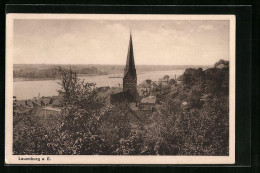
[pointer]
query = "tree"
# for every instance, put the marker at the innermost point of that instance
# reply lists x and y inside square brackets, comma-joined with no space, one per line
[82,111]
[166,77]
[172,82]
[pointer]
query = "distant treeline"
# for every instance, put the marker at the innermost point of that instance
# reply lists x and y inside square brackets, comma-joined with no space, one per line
[35,73]
[51,71]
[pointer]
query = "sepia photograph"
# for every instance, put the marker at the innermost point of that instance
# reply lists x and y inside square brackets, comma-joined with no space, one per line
[120,89]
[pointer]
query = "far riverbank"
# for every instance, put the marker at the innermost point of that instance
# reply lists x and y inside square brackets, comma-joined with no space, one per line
[44,79]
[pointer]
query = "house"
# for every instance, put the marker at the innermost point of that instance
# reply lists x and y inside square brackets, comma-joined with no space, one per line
[147,103]
[55,102]
[47,112]
[45,101]
[163,82]
[145,88]
[21,110]
[27,103]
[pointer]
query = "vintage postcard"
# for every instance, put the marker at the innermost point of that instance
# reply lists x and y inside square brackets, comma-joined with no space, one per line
[120,89]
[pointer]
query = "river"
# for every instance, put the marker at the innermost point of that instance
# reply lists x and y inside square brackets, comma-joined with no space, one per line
[30,89]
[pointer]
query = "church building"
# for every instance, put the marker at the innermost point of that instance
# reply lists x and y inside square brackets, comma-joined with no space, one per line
[129,93]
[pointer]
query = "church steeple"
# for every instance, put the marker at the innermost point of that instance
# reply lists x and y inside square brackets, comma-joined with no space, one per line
[130,78]
[130,62]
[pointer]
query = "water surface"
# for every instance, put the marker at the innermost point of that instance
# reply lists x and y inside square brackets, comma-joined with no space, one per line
[30,89]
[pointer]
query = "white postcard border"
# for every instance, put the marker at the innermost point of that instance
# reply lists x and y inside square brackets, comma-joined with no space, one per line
[113,159]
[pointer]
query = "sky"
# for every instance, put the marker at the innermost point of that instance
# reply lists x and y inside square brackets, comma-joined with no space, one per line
[86,41]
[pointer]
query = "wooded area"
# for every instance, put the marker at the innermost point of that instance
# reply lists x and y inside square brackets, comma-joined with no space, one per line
[191,118]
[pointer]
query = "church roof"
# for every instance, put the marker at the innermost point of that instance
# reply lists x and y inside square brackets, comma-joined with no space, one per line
[130,63]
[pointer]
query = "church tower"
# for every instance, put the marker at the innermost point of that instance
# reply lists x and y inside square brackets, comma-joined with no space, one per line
[129,93]
[130,78]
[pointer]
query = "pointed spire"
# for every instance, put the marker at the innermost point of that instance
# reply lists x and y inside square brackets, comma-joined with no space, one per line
[130,63]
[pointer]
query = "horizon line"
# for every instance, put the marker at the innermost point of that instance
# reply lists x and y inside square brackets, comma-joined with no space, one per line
[118,64]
